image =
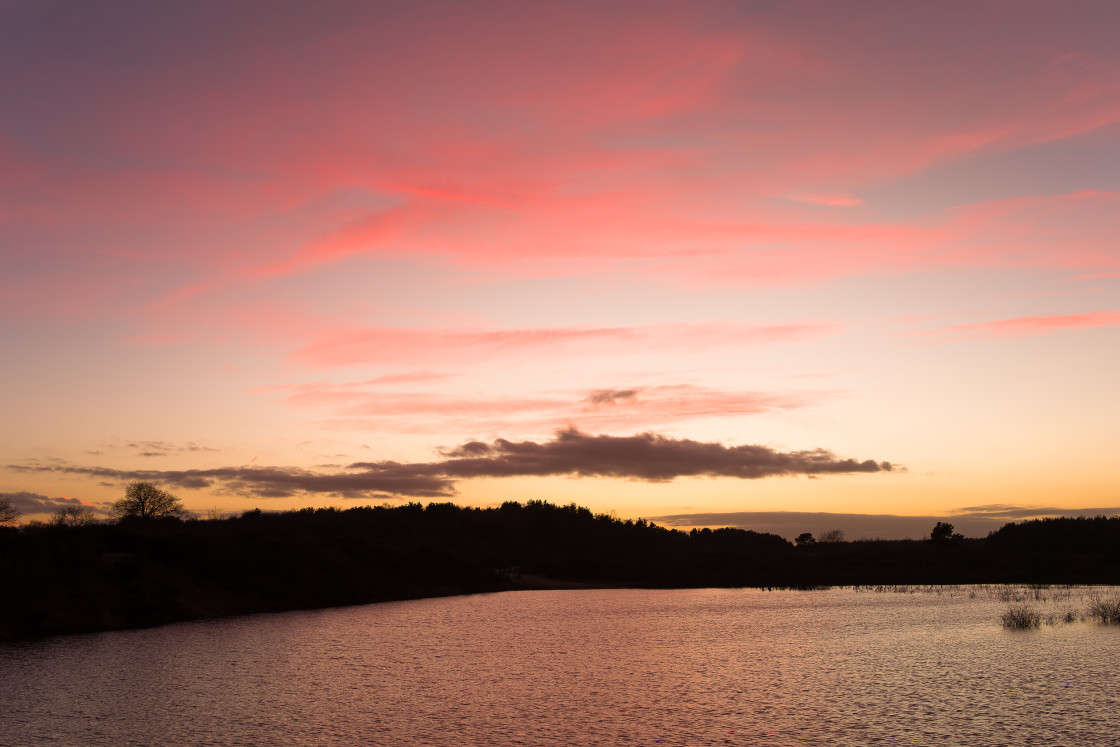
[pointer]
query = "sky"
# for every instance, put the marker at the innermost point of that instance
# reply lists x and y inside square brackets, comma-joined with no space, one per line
[761,264]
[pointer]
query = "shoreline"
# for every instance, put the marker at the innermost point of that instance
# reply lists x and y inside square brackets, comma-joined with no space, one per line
[137,574]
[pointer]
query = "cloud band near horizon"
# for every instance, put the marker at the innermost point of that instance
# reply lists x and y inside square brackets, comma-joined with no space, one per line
[647,457]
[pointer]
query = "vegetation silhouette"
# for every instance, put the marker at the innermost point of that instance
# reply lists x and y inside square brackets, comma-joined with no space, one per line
[1105,610]
[75,576]
[146,500]
[8,513]
[73,516]
[1021,617]
[945,532]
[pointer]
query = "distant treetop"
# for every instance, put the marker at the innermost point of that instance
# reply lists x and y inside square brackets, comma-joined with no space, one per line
[8,513]
[146,500]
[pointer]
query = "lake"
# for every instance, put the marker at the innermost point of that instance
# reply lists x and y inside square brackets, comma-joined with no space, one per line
[616,666]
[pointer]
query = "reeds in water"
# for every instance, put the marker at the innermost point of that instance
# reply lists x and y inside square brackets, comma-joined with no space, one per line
[1021,617]
[1105,610]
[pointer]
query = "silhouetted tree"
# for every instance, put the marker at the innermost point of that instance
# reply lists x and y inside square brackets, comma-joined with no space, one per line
[943,532]
[8,513]
[146,500]
[73,516]
[805,538]
[833,535]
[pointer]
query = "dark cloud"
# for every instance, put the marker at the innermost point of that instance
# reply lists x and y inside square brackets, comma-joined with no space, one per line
[648,456]
[1010,512]
[469,449]
[385,479]
[611,396]
[34,503]
[789,524]
[151,445]
[381,480]
[165,448]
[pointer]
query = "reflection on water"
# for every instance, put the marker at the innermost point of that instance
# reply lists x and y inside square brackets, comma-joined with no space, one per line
[697,667]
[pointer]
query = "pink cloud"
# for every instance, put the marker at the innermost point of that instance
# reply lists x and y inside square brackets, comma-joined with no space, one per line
[403,346]
[369,235]
[312,390]
[611,142]
[1070,230]
[660,405]
[1032,325]
[828,200]
[1061,231]
[353,407]
[1094,276]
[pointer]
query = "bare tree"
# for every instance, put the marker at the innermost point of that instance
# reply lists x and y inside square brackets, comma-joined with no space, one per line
[146,500]
[832,535]
[8,513]
[73,516]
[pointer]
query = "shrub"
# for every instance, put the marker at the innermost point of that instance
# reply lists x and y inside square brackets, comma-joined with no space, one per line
[1105,610]
[1021,617]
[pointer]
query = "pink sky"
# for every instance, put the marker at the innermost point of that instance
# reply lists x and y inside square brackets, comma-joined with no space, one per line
[262,244]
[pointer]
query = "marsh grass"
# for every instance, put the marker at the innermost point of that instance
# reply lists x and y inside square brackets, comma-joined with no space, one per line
[1021,617]
[1105,610]
[1067,616]
[1030,605]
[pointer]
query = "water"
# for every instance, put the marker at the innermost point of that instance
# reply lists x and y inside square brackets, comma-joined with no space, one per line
[695,667]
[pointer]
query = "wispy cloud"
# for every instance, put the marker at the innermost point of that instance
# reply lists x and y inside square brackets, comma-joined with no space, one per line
[1012,512]
[1030,325]
[403,346]
[159,448]
[827,200]
[1094,276]
[560,158]
[352,406]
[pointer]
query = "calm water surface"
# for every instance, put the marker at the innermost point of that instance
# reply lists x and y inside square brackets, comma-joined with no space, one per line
[682,667]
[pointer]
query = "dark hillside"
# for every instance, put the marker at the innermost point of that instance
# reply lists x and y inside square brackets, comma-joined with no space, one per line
[147,572]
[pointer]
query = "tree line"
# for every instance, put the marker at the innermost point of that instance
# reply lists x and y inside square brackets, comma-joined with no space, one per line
[152,567]
[142,500]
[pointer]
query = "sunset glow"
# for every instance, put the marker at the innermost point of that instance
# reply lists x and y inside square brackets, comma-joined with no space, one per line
[663,259]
